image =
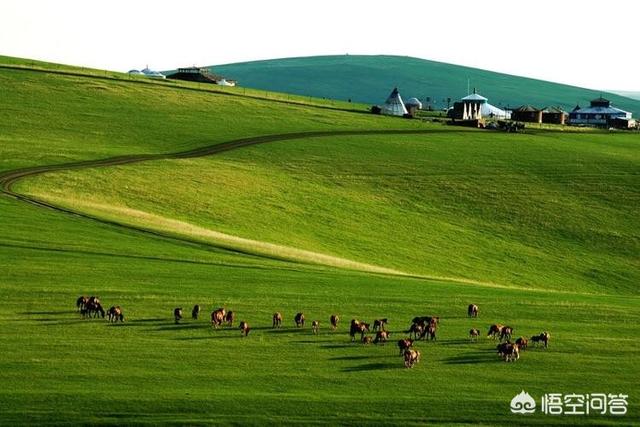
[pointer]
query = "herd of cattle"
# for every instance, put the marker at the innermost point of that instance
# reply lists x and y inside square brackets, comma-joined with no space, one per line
[422,328]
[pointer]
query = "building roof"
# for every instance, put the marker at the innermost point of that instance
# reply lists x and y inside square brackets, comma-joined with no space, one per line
[414,102]
[526,109]
[553,110]
[475,97]
[601,110]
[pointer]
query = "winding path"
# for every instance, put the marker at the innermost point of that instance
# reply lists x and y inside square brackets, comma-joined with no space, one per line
[9,178]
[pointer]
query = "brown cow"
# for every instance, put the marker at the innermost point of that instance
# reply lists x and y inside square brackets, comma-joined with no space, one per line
[244,328]
[474,334]
[381,337]
[506,333]
[542,338]
[425,320]
[379,324]
[315,325]
[92,309]
[358,327]
[195,312]
[299,319]
[417,329]
[404,344]
[177,314]
[81,302]
[508,351]
[229,318]
[495,331]
[366,340]
[277,320]
[522,343]
[472,310]
[411,357]
[114,314]
[217,317]
[334,321]
[431,330]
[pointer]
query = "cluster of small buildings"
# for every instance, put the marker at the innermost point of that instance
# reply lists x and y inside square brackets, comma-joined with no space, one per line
[193,74]
[474,109]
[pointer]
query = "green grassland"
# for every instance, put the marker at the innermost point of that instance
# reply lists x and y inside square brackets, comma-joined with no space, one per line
[370,79]
[346,196]
[543,210]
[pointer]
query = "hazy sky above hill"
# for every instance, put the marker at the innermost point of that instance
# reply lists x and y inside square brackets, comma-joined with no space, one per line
[595,45]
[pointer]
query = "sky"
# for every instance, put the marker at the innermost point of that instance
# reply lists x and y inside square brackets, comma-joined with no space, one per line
[572,42]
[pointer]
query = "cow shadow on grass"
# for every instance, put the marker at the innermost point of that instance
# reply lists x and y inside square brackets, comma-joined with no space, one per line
[181,326]
[381,366]
[49,313]
[334,346]
[361,357]
[287,331]
[488,356]
[212,337]
[456,341]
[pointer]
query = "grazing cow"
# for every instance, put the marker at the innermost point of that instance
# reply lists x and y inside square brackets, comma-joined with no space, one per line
[92,309]
[379,324]
[229,318]
[94,300]
[431,330]
[315,325]
[404,344]
[426,319]
[114,314]
[495,331]
[472,310]
[358,327]
[299,319]
[417,329]
[474,334]
[81,302]
[522,343]
[381,337]
[542,338]
[277,320]
[244,328]
[334,321]
[177,314]
[508,351]
[195,312]
[411,357]
[506,333]
[366,340]
[217,317]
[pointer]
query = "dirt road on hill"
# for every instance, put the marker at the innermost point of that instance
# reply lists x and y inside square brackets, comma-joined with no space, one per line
[168,228]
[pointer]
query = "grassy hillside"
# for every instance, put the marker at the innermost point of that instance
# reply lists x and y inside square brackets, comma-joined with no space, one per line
[369,79]
[546,210]
[60,369]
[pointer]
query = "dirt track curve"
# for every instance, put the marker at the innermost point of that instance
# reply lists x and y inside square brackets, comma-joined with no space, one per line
[7,179]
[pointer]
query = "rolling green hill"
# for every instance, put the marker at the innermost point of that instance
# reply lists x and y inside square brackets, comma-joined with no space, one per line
[157,195]
[369,79]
